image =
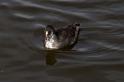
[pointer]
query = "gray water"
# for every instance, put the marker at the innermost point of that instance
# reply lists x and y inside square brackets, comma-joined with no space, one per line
[97,57]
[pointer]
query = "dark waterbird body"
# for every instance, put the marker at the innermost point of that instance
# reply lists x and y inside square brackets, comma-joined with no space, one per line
[61,38]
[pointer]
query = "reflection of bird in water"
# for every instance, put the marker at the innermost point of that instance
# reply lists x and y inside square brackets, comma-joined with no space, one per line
[51,58]
[61,38]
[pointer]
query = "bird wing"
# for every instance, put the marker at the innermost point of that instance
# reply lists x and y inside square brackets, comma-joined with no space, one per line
[68,35]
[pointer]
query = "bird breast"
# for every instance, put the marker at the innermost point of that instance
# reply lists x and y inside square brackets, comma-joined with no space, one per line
[52,43]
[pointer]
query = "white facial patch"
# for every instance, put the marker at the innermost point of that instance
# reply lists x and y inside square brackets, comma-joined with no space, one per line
[46,33]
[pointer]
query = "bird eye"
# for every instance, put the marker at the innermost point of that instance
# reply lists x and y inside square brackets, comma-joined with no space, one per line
[48,32]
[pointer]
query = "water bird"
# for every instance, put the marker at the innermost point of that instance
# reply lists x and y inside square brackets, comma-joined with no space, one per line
[61,38]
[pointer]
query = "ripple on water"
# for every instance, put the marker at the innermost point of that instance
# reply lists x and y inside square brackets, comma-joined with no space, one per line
[98,55]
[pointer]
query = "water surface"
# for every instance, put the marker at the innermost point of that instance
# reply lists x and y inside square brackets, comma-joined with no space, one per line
[97,57]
